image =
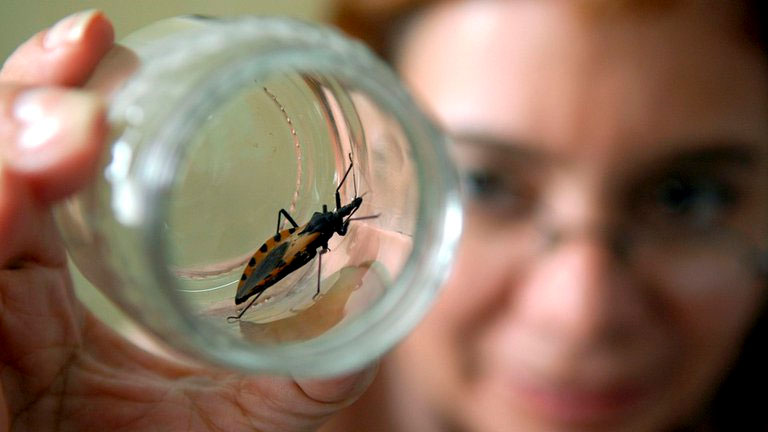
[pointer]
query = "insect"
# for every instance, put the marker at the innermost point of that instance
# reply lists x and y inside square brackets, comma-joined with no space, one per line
[292,248]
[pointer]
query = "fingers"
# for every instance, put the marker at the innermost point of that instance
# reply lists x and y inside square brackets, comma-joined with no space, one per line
[276,403]
[338,391]
[50,138]
[65,54]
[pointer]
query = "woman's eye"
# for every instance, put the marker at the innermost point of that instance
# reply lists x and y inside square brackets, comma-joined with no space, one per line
[700,202]
[482,185]
[496,192]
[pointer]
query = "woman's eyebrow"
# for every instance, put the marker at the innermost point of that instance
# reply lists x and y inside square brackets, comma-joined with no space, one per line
[719,154]
[504,147]
[679,155]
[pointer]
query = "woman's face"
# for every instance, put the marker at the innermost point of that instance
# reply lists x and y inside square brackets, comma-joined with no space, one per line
[616,174]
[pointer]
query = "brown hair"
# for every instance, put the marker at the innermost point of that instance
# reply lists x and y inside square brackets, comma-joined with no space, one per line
[738,404]
[376,22]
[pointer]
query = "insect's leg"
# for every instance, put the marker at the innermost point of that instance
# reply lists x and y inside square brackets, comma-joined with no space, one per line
[234,318]
[341,183]
[283,212]
[319,269]
[354,178]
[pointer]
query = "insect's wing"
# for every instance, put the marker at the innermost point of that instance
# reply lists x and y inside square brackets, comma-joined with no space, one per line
[267,261]
[280,259]
[260,273]
[302,250]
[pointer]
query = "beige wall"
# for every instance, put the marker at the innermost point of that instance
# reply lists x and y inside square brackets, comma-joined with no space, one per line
[21,18]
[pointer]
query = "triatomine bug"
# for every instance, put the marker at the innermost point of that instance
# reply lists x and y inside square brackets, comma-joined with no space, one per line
[292,248]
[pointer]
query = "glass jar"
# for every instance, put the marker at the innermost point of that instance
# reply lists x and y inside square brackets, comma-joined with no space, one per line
[217,125]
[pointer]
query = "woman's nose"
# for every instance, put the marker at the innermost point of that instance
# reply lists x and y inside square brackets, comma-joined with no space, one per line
[579,287]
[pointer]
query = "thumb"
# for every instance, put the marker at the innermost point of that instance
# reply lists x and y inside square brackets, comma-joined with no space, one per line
[50,138]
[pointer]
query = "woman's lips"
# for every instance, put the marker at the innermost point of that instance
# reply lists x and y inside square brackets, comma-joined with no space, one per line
[579,405]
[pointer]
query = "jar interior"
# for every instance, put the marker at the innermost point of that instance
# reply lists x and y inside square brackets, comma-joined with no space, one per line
[285,141]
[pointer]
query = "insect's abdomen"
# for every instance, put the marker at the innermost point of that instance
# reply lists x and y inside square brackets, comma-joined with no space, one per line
[275,259]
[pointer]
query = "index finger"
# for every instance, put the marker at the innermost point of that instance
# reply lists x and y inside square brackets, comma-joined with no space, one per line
[65,54]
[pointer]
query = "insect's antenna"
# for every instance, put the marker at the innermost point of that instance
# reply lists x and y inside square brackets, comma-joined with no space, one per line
[364,217]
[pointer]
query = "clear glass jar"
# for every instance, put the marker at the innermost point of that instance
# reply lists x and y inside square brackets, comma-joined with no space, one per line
[218,124]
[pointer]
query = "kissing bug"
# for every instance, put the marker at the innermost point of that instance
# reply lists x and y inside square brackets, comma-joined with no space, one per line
[292,248]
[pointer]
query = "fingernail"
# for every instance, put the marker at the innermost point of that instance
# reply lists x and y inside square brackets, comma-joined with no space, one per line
[50,123]
[69,29]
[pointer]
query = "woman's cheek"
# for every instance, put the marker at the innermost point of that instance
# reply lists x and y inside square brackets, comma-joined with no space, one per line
[711,307]
[481,278]
[711,326]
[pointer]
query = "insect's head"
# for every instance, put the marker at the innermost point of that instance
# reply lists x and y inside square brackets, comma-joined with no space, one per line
[346,212]
[351,207]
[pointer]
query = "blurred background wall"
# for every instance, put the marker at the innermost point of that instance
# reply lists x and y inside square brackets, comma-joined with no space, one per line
[19,19]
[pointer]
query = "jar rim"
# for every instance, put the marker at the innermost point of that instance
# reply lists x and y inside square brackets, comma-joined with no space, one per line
[300,47]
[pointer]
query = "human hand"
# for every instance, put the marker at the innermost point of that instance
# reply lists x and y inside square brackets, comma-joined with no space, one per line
[60,368]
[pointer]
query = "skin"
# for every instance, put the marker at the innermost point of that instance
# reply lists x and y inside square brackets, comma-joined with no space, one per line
[60,368]
[581,115]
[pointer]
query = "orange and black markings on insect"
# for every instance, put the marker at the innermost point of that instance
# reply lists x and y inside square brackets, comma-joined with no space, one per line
[292,248]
